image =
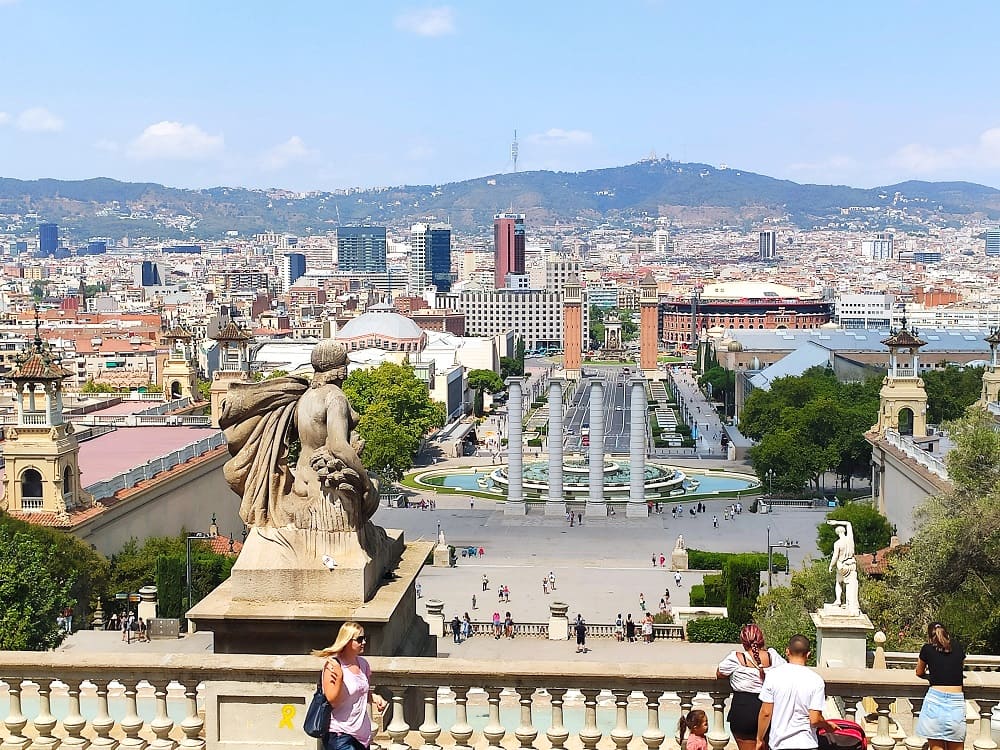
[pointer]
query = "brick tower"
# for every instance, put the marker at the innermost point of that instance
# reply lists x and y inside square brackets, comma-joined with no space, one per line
[572,327]
[648,324]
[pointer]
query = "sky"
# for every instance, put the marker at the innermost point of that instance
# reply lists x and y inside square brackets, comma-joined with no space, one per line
[342,93]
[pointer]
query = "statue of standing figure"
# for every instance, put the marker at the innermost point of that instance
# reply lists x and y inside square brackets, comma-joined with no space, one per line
[328,489]
[846,586]
[680,543]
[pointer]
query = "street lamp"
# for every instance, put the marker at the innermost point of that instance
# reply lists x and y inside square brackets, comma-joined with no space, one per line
[785,543]
[770,479]
[187,546]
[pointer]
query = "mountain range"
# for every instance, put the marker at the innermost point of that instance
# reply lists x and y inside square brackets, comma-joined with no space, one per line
[688,194]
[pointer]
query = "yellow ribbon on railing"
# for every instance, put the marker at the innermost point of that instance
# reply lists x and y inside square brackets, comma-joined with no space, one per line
[287,714]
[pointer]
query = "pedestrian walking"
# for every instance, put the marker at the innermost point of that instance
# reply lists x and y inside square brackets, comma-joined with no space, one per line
[663,560]
[545,585]
[677,577]
[473,601]
[486,582]
[654,559]
[715,521]
[506,594]
[642,602]
[552,581]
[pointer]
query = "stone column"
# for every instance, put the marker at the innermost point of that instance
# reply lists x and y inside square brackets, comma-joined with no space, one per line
[555,504]
[595,502]
[637,450]
[515,449]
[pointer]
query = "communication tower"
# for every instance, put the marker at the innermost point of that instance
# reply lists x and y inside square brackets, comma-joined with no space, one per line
[513,151]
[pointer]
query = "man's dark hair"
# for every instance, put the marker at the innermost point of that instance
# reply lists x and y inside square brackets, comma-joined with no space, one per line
[799,645]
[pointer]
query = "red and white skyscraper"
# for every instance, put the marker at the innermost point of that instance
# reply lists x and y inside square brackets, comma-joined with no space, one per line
[508,244]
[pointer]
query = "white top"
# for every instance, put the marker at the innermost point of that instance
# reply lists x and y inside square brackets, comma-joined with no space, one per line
[747,679]
[794,690]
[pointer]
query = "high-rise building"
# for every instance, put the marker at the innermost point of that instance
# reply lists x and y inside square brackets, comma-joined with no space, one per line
[48,239]
[661,242]
[150,273]
[361,249]
[767,244]
[993,241]
[882,246]
[508,245]
[291,268]
[430,257]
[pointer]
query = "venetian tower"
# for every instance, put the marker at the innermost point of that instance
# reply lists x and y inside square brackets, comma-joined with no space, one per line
[234,364]
[991,375]
[572,328]
[41,455]
[180,379]
[648,324]
[903,400]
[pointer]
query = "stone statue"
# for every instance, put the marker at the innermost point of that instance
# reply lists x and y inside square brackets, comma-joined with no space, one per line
[680,543]
[328,489]
[846,587]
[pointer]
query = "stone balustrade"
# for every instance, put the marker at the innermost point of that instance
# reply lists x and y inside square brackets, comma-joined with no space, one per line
[137,701]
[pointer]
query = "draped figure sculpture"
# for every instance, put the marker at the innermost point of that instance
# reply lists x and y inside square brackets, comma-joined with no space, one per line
[846,586]
[328,489]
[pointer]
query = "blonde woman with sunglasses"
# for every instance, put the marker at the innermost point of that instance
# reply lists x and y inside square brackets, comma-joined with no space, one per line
[347,687]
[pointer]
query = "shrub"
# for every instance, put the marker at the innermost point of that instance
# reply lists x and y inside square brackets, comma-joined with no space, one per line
[697,596]
[715,591]
[742,583]
[703,560]
[683,429]
[662,618]
[712,630]
[171,574]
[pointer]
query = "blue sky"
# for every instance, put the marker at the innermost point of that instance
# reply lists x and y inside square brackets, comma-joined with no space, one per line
[321,95]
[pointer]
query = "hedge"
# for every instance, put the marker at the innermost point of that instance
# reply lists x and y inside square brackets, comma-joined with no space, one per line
[171,572]
[712,630]
[741,578]
[702,560]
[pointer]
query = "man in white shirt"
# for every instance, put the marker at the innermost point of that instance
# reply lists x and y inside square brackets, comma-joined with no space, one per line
[792,701]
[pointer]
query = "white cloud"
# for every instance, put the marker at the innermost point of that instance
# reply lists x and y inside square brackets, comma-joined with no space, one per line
[291,151]
[175,141]
[4,118]
[559,136]
[39,120]
[427,22]
[924,159]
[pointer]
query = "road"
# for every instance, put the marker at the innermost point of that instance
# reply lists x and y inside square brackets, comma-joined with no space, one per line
[615,409]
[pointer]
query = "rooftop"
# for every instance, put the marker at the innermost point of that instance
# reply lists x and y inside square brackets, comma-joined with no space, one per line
[120,450]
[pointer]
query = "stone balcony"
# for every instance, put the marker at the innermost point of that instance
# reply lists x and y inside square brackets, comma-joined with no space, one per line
[236,702]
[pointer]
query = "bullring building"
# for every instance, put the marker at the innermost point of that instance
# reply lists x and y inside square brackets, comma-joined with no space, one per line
[741,305]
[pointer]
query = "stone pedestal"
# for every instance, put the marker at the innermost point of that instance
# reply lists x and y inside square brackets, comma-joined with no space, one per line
[283,597]
[435,617]
[840,637]
[558,621]
[679,559]
[147,603]
[442,556]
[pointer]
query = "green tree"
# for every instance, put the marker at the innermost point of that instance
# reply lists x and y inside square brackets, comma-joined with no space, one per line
[872,530]
[484,380]
[204,389]
[950,391]
[630,329]
[723,386]
[396,413]
[785,610]
[596,327]
[808,425]
[951,570]
[135,565]
[31,596]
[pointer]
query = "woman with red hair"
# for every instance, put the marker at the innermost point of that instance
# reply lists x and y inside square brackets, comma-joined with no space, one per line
[745,669]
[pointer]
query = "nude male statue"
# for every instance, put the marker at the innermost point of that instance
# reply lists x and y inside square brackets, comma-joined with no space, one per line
[846,586]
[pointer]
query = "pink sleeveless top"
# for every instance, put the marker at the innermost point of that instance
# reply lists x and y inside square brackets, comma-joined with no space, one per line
[350,715]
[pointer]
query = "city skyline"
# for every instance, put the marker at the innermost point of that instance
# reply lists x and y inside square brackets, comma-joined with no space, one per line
[326,97]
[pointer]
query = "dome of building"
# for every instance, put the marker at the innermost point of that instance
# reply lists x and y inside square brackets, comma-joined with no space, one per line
[735,346]
[382,330]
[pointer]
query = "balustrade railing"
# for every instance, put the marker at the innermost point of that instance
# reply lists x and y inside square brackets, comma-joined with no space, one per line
[934,464]
[223,701]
